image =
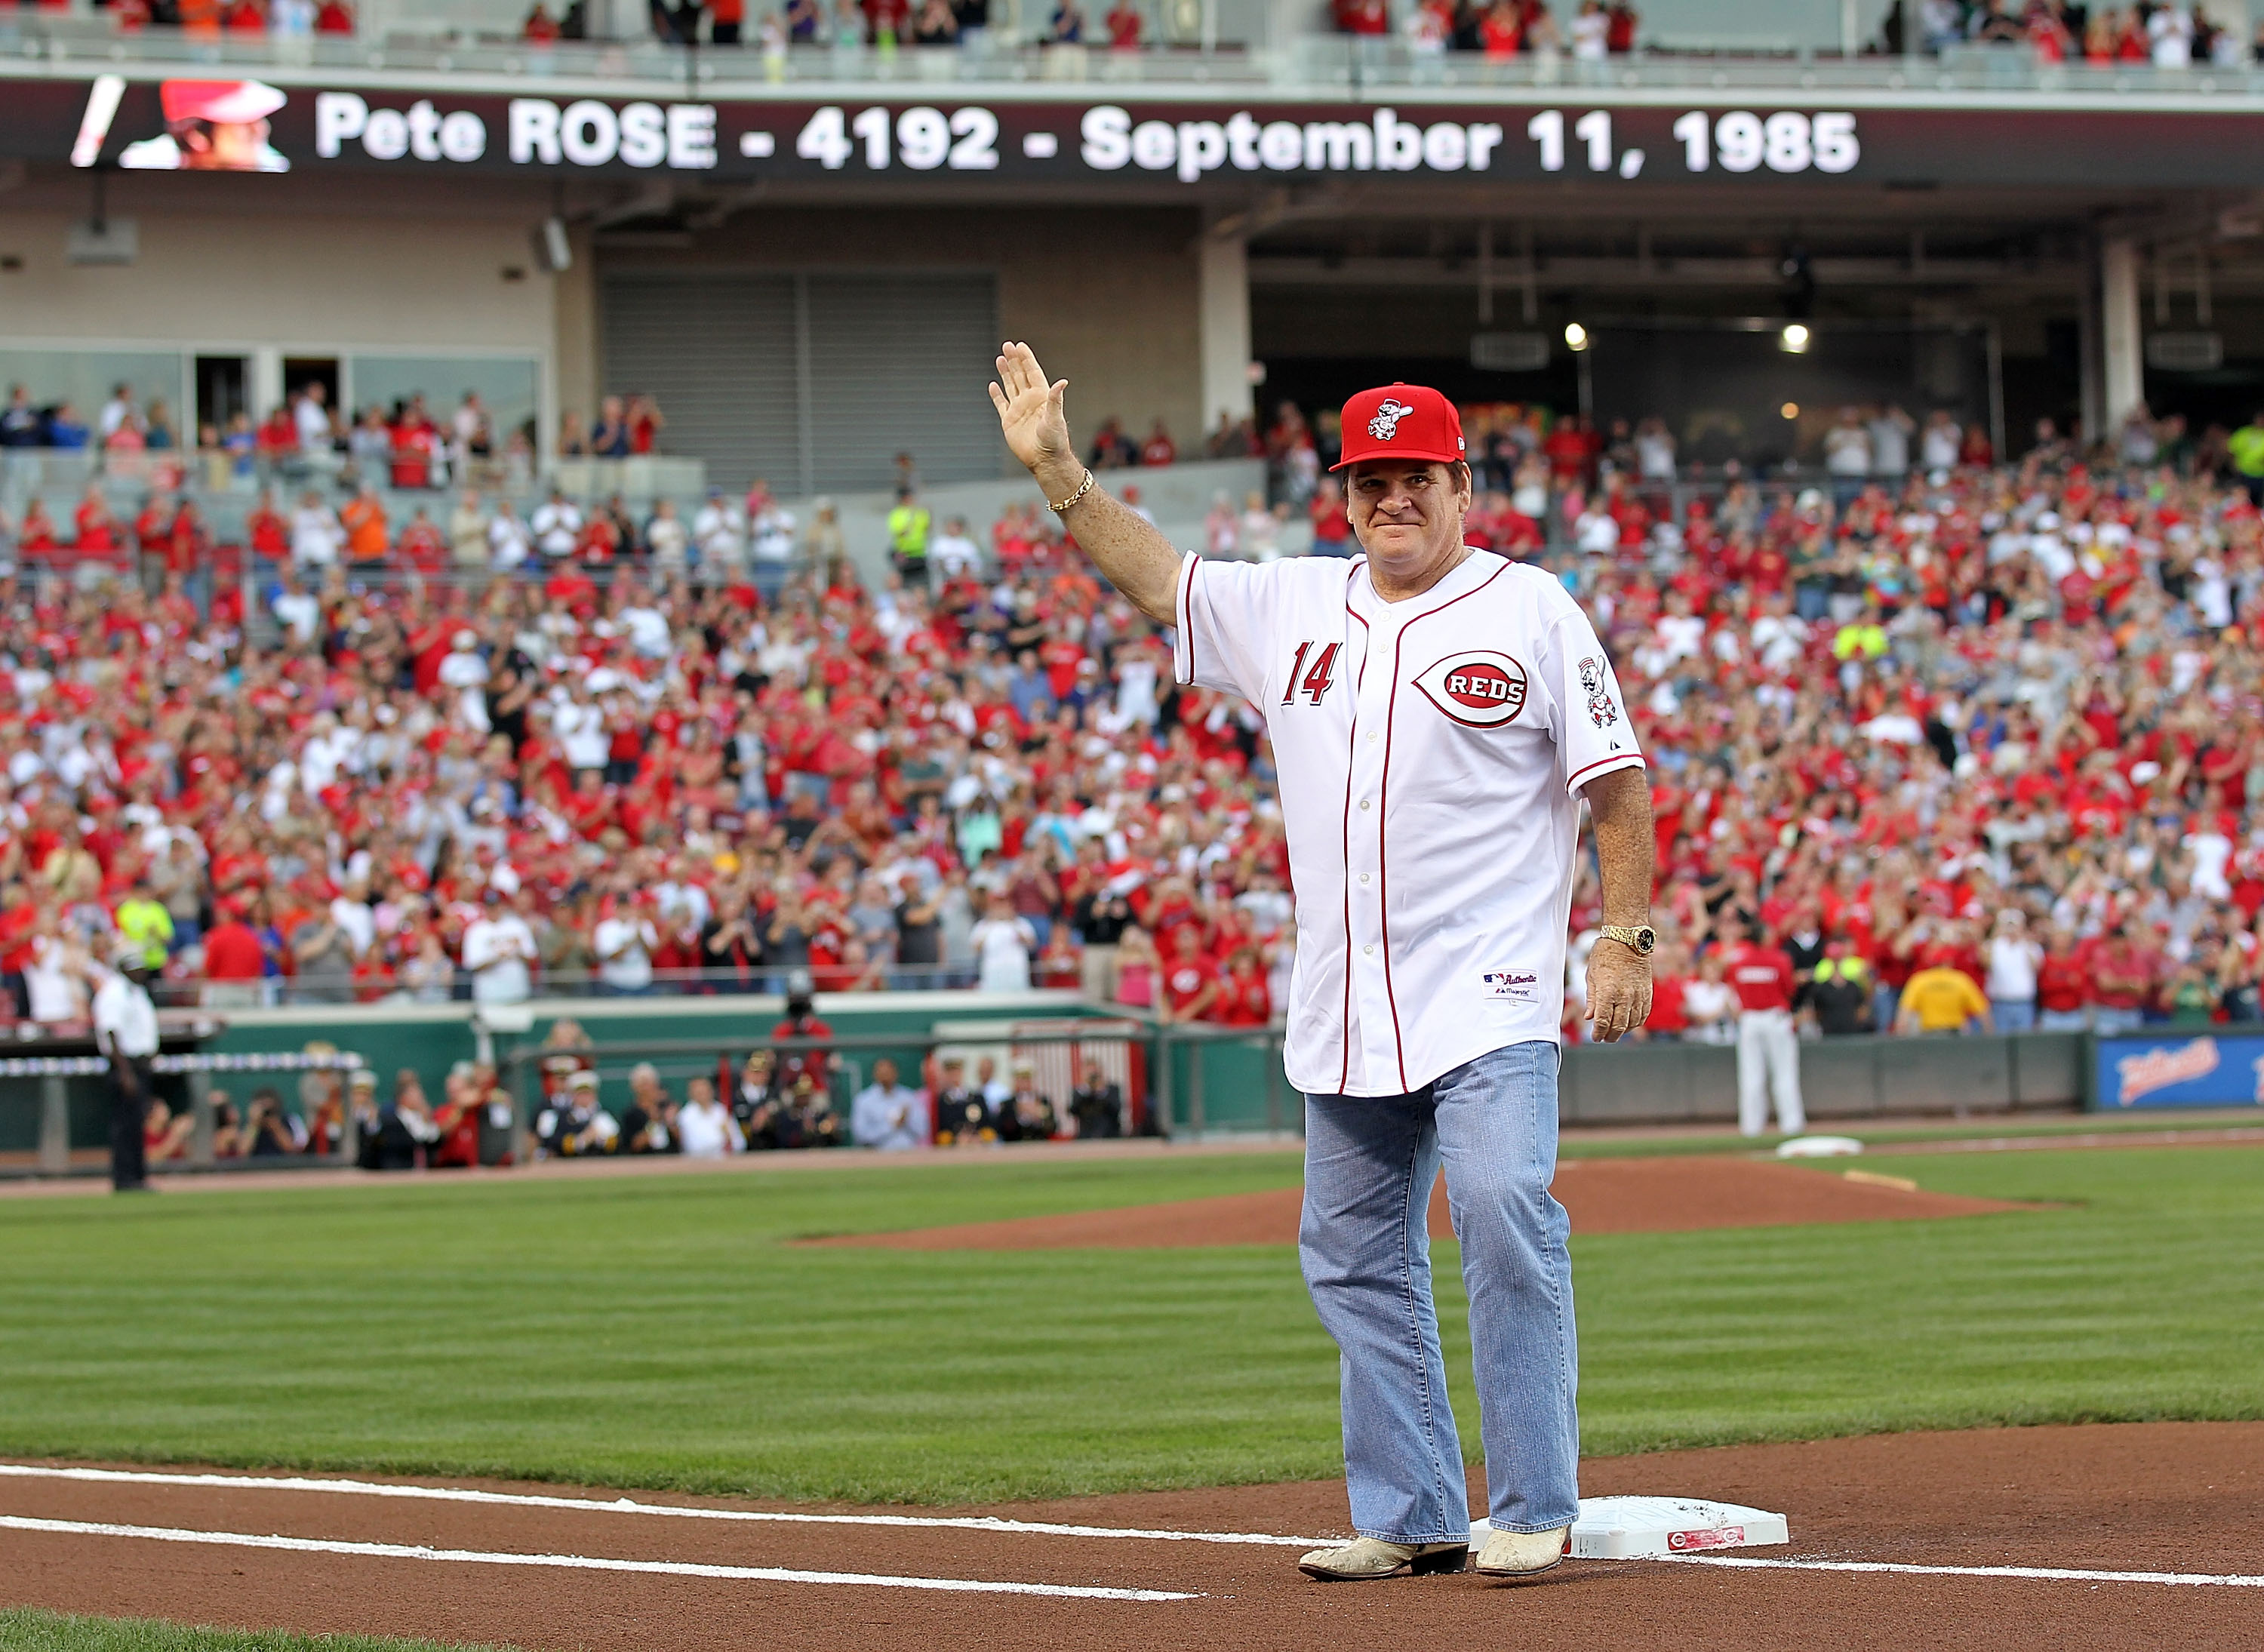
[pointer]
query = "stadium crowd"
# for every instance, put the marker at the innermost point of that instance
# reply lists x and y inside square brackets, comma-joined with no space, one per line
[1969,742]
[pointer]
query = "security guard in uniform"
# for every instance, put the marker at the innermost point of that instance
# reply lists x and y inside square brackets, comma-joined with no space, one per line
[1838,992]
[126,1031]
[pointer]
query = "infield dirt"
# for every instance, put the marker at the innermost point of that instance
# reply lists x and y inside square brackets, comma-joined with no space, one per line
[1662,1195]
[2152,1496]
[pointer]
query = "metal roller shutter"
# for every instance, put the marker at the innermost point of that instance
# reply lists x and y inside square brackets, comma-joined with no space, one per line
[813,381]
[717,352]
[899,363]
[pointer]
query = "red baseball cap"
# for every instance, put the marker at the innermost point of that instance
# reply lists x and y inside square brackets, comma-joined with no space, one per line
[1401,420]
[224,102]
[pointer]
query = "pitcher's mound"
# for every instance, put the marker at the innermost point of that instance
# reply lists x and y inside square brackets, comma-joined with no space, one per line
[1604,1196]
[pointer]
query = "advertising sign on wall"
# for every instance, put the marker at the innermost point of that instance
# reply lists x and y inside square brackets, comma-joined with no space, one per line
[2184,1071]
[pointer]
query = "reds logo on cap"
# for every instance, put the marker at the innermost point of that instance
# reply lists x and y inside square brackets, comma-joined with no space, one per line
[1401,420]
[1477,688]
[1385,425]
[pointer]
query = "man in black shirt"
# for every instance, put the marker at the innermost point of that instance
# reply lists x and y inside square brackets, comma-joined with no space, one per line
[1101,918]
[650,1125]
[1838,991]
[1028,1115]
[20,421]
[755,1101]
[807,1120]
[962,1118]
[1803,940]
[919,935]
[1097,1107]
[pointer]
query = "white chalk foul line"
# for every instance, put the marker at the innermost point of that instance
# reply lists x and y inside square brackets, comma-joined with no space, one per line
[2047,1574]
[574,1562]
[625,1505]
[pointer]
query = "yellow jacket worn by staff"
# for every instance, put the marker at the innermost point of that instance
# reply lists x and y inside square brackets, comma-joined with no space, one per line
[908,526]
[1943,999]
[146,925]
[2247,447]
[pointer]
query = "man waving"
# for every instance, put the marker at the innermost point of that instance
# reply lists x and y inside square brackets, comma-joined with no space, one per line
[1437,714]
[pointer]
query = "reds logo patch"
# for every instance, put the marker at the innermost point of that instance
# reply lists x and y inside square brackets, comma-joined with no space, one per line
[1477,687]
[1385,425]
[1601,711]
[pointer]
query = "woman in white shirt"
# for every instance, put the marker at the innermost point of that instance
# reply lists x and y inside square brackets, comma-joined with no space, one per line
[1711,1004]
[54,974]
[1003,943]
[1591,32]
[2013,960]
[705,1129]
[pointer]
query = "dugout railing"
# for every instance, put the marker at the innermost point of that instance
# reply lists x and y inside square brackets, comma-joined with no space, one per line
[1184,1082]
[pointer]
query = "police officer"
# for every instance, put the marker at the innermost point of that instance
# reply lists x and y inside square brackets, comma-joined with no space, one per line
[126,1031]
[1838,992]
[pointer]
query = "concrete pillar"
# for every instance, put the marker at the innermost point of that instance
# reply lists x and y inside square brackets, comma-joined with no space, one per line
[266,386]
[1223,289]
[200,1113]
[575,347]
[2122,352]
[54,1126]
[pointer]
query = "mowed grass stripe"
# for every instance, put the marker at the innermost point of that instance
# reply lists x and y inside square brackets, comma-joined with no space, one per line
[29,1630]
[659,1334]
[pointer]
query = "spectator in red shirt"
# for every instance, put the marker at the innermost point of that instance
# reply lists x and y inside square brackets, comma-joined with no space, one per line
[2063,982]
[1246,997]
[1191,990]
[2123,983]
[1159,449]
[234,960]
[1669,1018]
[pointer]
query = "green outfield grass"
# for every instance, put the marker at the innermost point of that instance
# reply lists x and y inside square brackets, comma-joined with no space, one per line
[52,1631]
[654,1332]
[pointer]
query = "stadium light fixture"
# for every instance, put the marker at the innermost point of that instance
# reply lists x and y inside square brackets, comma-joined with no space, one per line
[1576,337]
[1793,339]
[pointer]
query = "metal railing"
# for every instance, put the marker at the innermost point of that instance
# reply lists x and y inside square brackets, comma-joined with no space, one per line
[768,980]
[1236,45]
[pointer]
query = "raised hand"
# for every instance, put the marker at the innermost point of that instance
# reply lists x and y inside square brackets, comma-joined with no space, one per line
[1030,413]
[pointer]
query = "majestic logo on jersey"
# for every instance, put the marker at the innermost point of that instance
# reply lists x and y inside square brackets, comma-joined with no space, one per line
[1477,688]
[1385,425]
[1601,711]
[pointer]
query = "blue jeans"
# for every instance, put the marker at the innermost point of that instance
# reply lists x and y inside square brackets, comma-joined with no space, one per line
[1370,1163]
[2016,1015]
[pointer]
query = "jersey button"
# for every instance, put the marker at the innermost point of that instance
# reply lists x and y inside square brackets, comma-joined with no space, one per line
[1370,951]
[1363,803]
[1371,737]
[1363,877]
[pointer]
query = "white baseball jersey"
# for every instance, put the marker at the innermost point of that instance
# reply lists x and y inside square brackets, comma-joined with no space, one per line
[1430,754]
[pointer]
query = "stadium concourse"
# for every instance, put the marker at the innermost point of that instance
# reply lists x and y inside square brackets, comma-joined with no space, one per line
[1989,718]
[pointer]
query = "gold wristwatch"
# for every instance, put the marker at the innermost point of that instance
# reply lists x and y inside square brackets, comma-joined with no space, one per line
[1641,938]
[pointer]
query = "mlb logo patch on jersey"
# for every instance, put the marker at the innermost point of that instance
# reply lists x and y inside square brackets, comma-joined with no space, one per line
[1477,687]
[1520,986]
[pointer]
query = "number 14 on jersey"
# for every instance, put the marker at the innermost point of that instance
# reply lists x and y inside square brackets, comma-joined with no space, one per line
[1312,681]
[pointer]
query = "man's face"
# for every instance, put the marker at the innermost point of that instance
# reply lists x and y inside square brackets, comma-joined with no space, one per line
[1407,512]
[884,1073]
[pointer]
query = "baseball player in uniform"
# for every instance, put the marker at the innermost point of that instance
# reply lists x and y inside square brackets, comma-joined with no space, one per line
[1437,714]
[1769,1049]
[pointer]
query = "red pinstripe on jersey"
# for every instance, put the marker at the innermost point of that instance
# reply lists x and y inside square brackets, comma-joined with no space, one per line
[1351,737]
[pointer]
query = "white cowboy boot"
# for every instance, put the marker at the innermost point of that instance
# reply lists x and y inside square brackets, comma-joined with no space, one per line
[1367,1557]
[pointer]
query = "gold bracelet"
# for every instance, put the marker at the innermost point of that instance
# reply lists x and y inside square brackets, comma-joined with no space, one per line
[1084,488]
